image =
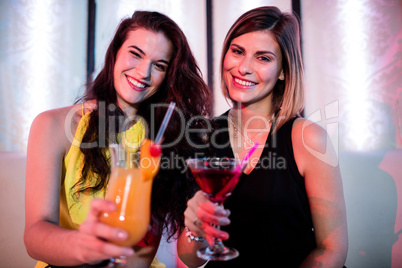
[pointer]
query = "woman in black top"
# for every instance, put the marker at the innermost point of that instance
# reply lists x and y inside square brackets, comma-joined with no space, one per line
[288,208]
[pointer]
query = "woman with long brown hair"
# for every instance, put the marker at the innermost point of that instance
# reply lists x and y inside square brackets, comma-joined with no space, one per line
[147,65]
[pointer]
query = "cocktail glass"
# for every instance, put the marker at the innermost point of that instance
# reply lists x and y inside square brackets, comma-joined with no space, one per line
[130,187]
[217,178]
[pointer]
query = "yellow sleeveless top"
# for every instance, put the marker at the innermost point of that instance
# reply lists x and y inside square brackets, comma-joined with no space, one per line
[73,213]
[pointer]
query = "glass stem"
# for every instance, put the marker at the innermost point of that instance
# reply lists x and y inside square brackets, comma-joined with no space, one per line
[218,245]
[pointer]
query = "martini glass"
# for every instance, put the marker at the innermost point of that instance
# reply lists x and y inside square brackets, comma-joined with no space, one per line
[217,178]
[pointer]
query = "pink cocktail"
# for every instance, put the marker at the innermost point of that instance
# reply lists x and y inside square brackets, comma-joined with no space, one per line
[217,178]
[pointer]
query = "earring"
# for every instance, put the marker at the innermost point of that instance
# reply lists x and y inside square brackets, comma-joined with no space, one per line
[282,77]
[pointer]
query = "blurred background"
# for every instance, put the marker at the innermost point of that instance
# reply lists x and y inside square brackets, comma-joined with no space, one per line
[352,52]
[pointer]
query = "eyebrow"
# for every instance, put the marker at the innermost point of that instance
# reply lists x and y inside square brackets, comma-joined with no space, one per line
[258,52]
[143,53]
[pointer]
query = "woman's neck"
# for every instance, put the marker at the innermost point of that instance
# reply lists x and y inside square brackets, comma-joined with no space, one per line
[250,118]
[129,110]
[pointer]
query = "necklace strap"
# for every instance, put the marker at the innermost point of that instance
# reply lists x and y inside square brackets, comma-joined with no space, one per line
[247,143]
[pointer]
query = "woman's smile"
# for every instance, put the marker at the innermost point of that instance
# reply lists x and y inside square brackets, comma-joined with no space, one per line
[136,84]
[242,83]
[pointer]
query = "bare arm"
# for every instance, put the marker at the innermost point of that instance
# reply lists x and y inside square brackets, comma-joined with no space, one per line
[200,207]
[44,239]
[317,162]
[144,255]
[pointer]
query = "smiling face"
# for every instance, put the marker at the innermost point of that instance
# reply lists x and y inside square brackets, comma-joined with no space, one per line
[251,68]
[141,67]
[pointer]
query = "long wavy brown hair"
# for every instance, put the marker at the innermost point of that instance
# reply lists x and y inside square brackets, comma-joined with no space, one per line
[183,84]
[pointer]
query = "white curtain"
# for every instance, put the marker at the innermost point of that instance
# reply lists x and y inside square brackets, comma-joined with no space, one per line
[43,53]
[352,54]
[42,62]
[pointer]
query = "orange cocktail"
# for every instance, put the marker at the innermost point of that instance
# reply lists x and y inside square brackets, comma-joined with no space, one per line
[131,194]
[130,189]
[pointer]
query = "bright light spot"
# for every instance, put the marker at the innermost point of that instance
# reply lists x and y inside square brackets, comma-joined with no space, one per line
[39,56]
[355,73]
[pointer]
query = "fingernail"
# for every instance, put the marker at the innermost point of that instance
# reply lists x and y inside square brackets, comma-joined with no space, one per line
[225,221]
[128,252]
[122,235]
[222,212]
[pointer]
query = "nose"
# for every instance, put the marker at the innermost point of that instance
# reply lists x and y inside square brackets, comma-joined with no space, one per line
[245,66]
[143,69]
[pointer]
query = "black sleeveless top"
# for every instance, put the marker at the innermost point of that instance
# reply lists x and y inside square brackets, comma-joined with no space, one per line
[271,223]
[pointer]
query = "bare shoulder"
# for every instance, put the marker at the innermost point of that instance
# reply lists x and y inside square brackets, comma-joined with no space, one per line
[56,118]
[312,145]
[74,111]
[307,133]
[56,125]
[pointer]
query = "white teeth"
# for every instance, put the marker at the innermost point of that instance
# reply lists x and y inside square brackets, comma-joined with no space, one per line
[135,83]
[244,83]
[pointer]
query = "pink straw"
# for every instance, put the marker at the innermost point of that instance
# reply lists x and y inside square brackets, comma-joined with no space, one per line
[243,163]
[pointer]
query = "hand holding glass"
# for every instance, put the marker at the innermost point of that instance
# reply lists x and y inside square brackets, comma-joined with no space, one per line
[130,189]
[217,178]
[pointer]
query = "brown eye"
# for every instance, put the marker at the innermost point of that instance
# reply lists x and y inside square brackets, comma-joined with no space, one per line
[236,51]
[264,58]
[135,54]
[160,67]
